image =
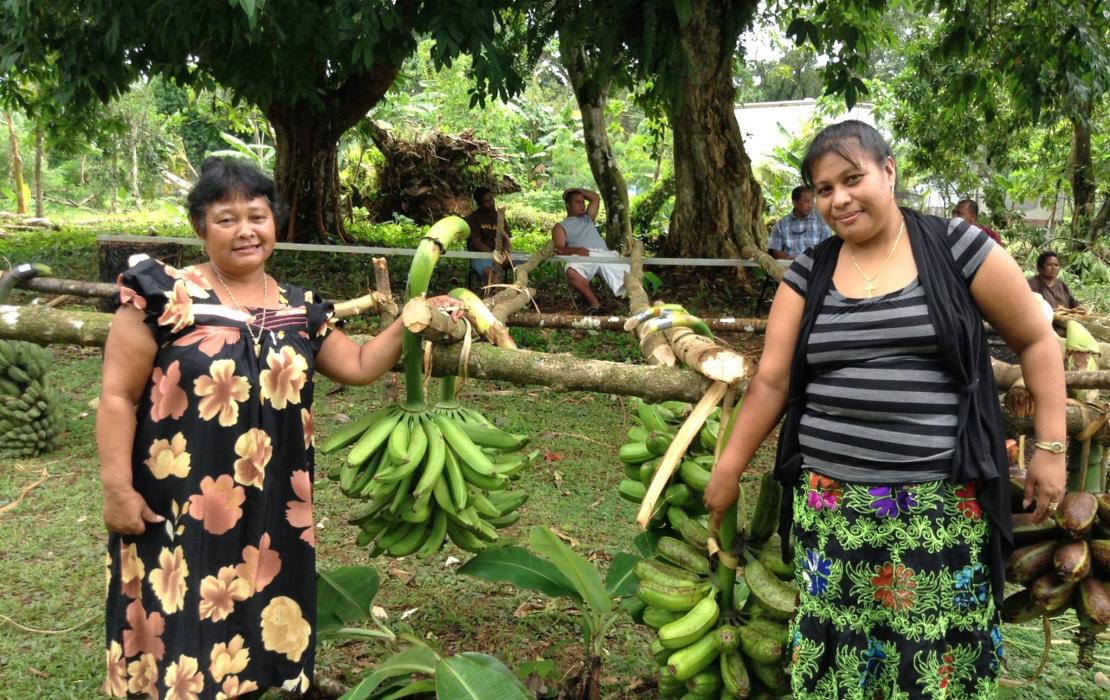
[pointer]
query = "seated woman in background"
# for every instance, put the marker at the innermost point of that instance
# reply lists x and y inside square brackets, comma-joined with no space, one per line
[1048,284]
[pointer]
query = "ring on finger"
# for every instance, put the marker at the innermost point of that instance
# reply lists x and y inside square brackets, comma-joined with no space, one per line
[1052,506]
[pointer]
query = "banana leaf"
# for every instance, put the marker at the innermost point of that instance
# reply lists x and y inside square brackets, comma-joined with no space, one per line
[473,676]
[406,662]
[521,568]
[586,579]
[620,580]
[343,596]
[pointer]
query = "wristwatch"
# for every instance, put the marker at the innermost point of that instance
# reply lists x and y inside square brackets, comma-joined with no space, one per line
[1054,447]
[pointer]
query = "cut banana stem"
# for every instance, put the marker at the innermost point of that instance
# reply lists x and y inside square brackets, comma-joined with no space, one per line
[677,449]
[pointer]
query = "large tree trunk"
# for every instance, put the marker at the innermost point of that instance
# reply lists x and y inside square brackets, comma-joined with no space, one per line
[17,166]
[718,209]
[592,96]
[1082,175]
[307,168]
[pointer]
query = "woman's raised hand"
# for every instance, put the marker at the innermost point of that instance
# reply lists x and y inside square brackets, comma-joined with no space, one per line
[126,513]
[449,304]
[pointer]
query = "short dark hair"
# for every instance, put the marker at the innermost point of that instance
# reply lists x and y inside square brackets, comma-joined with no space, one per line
[971,204]
[1043,257]
[568,194]
[226,178]
[481,192]
[797,192]
[834,139]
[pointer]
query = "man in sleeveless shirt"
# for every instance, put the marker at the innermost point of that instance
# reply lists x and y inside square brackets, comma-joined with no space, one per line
[577,235]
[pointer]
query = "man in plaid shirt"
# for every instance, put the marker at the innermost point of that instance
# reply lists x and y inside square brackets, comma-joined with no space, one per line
[799,230]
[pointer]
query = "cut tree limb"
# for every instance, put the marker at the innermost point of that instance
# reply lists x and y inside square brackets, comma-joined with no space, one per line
[616,323]
[54,285]
[381,285]
[420,317]
[654,346]
[518,296]
[44,325]
[696,352]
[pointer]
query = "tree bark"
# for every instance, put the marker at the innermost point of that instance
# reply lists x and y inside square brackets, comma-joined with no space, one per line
[307,138]
[133,146]
[718,209]
[17,166]
[592,96]
[1082,173]
[40,204]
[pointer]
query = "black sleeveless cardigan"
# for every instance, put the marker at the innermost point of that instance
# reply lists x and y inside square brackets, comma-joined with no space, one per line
[980,451]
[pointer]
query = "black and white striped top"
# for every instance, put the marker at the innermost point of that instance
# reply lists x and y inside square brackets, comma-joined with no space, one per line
[880,405]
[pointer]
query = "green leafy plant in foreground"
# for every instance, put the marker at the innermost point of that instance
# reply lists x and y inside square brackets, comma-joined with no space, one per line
[345,596]
[556,570]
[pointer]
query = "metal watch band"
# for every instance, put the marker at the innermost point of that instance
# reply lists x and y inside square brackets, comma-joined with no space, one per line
[1055,447]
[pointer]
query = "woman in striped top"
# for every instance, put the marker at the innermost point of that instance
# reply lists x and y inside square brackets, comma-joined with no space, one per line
[892,448]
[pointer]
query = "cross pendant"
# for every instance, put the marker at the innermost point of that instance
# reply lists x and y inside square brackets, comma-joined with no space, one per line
[869,289]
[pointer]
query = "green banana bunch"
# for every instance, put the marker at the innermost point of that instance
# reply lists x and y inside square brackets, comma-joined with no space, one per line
[29,418]
[429,474]
[719,632]
[703,648]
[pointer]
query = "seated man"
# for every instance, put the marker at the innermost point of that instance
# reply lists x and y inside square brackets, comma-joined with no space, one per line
[483,223]
[577,235]
[799,230]
[968,210]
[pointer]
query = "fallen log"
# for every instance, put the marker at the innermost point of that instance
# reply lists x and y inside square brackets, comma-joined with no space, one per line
[76,288]
[44,325]
[1077,420]
[616,323]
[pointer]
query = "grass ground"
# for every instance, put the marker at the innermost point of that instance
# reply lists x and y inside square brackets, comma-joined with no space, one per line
[51,582]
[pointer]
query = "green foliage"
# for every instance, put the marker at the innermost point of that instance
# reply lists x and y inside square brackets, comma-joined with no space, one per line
[557,570]
[651,212]
[344,596]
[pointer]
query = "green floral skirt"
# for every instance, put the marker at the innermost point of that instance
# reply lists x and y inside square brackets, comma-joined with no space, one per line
[895,593]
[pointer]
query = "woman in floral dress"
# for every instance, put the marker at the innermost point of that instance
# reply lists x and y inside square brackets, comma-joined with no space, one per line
[205,434]
[892,450]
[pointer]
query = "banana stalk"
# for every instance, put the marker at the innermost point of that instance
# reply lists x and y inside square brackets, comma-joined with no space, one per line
[488,325]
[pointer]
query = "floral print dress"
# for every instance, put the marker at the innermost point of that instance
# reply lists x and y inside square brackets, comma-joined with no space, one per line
[219,601]
[895,600]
